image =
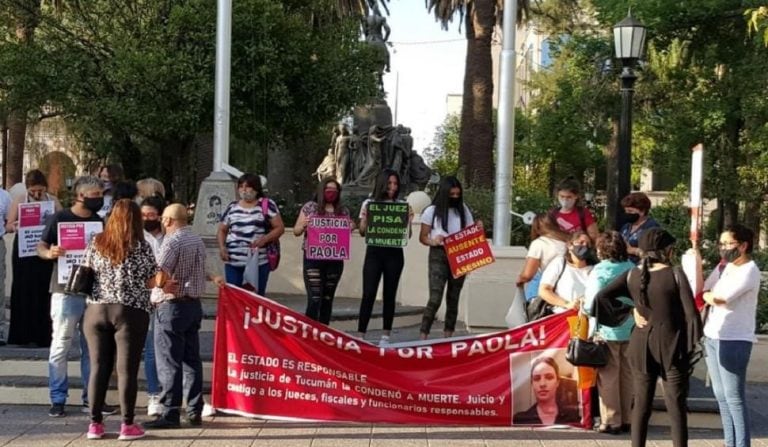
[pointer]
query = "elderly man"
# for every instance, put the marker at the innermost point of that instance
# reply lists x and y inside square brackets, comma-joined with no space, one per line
[67,309]
[177,321]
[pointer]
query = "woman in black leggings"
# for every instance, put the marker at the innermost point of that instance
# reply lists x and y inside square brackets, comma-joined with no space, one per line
[381,261]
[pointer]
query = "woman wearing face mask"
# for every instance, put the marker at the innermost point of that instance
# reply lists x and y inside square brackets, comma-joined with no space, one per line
[29,290]
[447,215]
[667,332]
[729,330]
[321,277]
[110,175]
[571,216]
[565,278]
[545,384]
[381,262]
[244,227]
[636,206]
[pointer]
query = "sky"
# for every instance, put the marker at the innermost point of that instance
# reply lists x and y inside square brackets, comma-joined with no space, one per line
[430,63]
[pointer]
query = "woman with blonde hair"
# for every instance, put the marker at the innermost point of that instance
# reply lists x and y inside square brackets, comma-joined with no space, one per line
[149,187]
[117,316]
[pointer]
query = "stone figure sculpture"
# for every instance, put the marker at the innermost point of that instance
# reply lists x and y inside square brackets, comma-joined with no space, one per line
[376,31]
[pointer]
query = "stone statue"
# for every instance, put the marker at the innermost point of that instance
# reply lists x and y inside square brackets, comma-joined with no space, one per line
[376,31]
[341,152]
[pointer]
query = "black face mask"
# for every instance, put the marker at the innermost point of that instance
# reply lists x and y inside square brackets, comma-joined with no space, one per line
[730,254]
[632,218]
[151,225]
[454,202]
[93,204]
[581,252]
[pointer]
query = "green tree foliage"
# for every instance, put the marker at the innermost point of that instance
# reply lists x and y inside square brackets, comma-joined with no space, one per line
[136,79]
[443,157]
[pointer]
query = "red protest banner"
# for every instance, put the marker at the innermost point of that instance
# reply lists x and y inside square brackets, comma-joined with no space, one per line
[272,362]
[467,250]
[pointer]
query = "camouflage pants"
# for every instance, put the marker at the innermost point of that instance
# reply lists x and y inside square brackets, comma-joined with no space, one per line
[439,275]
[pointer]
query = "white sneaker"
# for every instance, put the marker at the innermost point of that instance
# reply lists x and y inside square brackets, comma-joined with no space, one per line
[208,410]
[384,341]
[154,407]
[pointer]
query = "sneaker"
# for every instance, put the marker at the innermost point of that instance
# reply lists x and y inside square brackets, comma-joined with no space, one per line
[195,420]
[95,430]
[106,410]
[162,423]
[384,340]
[56,411]
[129,432]
[154,407]
[208,410]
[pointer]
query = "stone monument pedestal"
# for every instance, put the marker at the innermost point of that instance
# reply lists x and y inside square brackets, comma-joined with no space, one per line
[216,192]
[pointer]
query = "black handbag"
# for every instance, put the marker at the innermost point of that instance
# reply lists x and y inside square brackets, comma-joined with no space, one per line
[538,308]
[80,281]
[592,352]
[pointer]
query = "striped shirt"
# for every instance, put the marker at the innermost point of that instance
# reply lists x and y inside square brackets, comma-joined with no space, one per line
[246,225]
[183,257]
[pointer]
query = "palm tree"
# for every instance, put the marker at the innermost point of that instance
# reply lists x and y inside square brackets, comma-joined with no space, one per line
[476,138]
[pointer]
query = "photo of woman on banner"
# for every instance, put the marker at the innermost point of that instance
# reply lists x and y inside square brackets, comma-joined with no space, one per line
[381,262]
[447,215]
[321,277]
[555,396]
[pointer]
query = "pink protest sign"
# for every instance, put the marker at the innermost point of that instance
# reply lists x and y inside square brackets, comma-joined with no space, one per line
[327,238]
[31,224]
[72,236]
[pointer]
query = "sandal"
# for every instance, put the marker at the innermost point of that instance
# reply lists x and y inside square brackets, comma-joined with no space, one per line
[607,429]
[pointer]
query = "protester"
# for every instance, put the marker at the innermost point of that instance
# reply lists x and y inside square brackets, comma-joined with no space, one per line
[149,187]
[30,297]
[381,262]
[729,330]
[245,227]
[668,329]
[67,309]
[177,321]
[321,277]
[151,210]
[5,204]
[565,279]
[548,242]
[614,380]
[572,216]
[445,216]
[548,409]
[636,207]
[110,175]
[117,316]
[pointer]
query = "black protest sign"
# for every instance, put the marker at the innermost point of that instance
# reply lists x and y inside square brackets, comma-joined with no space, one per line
[387,224]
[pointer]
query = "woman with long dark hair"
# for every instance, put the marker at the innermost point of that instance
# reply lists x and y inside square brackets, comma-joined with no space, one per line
[321,277]
[381,262]
[117,315]
[248,224]
[447,215]
[30,297]
[668,329]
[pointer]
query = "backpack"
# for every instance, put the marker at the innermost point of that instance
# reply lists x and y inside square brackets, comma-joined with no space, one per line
[273,248]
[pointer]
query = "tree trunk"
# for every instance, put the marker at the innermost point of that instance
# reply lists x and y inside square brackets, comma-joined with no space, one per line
[26,18]
[612,198]
[17,135]
[476,137]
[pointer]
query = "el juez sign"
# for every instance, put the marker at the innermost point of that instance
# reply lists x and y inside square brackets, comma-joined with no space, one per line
[387,224]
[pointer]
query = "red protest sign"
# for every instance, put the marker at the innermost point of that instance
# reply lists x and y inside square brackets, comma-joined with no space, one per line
[272,362]
[467,250]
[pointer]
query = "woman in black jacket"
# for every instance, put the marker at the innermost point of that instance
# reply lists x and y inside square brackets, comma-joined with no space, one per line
[668,329]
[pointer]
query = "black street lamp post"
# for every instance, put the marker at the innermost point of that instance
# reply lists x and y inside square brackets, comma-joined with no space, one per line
[629,40]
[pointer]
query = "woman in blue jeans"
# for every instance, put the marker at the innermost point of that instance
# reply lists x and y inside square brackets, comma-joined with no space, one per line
[248,224]
[729,330]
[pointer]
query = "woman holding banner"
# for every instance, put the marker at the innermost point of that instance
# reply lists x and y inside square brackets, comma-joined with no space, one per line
[30,298]
[248,224]
[447,215]
[565,278]
[321,277]
[381,261]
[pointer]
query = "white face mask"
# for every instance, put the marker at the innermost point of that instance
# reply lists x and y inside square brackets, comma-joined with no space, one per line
[567,204]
